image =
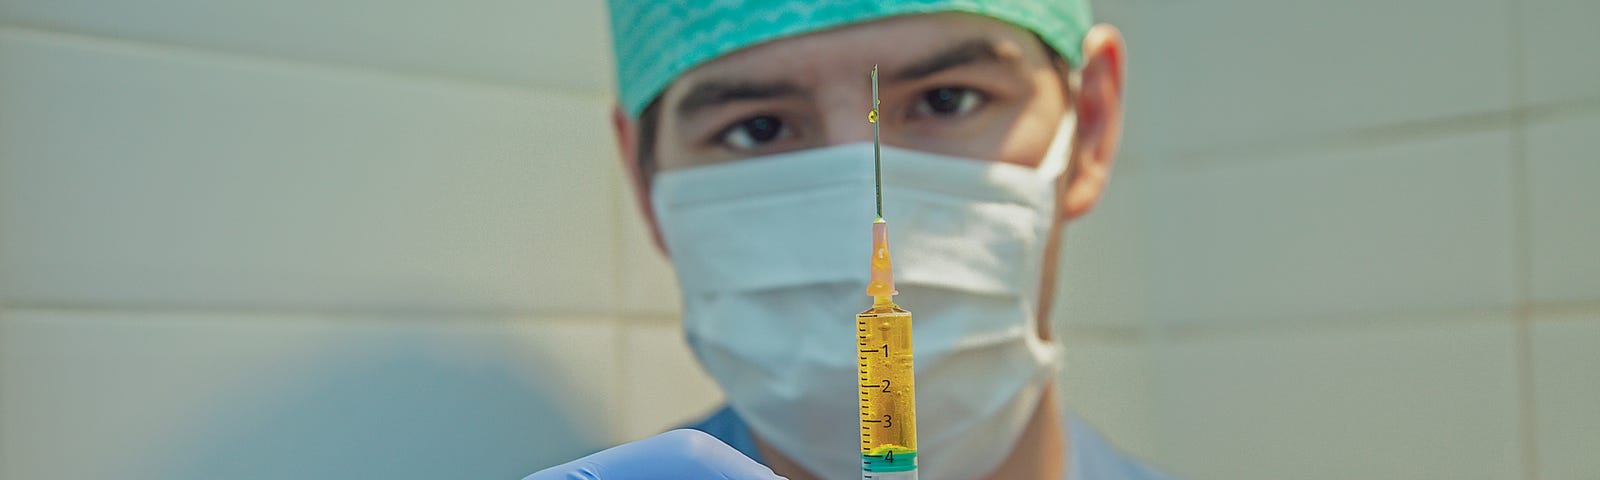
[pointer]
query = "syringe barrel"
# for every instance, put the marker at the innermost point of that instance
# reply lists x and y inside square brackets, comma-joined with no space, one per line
[888,405]
[906,475]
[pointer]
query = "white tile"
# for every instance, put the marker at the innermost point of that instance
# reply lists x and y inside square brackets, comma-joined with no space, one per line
[1563,167]
[1108,384]
[1117,12]
[148,177]
[1559,40]
[1100,280]
[1567,395]
[191,396]
[561,44]
[663,387]
[1435,400]
[1242,71]
[1423,226]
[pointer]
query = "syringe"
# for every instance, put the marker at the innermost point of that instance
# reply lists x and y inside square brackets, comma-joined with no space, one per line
[883,347]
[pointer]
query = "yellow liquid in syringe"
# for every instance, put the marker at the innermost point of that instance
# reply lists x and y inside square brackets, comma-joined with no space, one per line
[888,401]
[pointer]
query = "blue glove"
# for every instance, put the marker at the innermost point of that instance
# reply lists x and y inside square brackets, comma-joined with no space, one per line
[678,454]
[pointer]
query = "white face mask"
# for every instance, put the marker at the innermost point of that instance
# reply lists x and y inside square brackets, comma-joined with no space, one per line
[771,254]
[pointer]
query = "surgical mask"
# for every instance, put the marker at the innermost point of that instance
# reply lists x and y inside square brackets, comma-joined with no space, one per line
[771,255]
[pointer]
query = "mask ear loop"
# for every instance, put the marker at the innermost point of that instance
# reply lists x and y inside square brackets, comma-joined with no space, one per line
[1051,167]
[1055,158]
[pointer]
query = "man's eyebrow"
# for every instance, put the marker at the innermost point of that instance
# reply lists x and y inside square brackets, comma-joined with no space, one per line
[716,92]
[971,51]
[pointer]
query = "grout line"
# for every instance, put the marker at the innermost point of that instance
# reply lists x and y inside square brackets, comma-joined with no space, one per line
[1068,334]
[1590,309]
[649,319]
[1379,135]
[1185,331]
[350,314]
[1152,330]
[1355,317]
[1527,400]
[5,434]
[157,48]
[1522,231]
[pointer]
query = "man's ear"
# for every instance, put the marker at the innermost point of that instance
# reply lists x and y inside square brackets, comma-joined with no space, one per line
[1098,104]
[627,132]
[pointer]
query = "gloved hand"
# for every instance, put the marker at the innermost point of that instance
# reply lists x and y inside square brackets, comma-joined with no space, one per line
[678,454]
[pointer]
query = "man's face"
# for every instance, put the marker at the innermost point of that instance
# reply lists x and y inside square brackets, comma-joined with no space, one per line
[954,84]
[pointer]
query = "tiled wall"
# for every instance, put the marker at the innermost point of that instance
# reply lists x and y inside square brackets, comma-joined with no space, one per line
[377,240]
[316,240]
[1373,246]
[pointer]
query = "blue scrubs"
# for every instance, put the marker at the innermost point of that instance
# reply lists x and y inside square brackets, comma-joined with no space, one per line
[1090,456]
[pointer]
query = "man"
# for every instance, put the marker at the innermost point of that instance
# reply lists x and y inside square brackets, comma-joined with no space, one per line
[743,128]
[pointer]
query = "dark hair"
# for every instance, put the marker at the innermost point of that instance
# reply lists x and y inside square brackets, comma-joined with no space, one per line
[649,120]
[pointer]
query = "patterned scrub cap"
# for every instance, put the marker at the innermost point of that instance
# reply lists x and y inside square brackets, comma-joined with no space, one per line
[658,40]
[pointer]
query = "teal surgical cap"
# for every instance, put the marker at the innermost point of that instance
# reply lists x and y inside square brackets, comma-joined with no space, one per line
[658,40]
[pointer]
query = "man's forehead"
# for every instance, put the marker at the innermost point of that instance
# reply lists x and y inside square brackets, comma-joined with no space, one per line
[894,43]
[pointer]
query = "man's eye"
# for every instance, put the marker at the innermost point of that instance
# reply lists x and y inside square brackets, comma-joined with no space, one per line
[948,101]
[753,132]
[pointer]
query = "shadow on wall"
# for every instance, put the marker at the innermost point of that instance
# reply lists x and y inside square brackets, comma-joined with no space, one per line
[396,410]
